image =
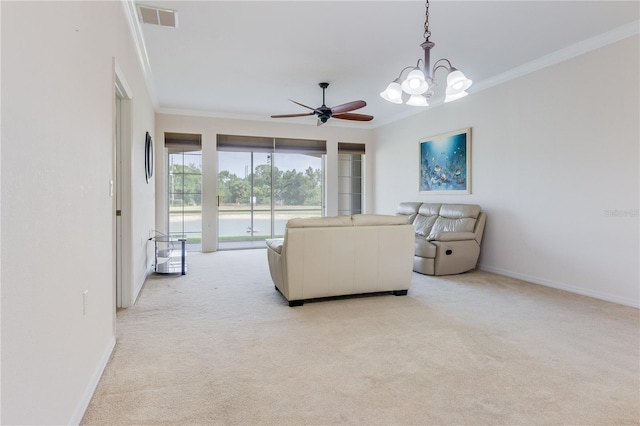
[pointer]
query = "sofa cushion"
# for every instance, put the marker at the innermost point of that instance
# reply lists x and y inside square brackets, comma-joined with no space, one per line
[445,224]
[424,248]
[319,222]
[457,211]
[455,218]
[378,219]
[427,215]
[408,208]
[430,209]
[423,224]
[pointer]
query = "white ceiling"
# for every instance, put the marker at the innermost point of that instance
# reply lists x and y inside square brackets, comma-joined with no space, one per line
[246,59]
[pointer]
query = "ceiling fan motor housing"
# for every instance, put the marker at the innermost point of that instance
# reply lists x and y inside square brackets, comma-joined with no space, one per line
[323,113]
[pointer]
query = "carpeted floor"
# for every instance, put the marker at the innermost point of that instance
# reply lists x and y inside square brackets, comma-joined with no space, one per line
[221,346]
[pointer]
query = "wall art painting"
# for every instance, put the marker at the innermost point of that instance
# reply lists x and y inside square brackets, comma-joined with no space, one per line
[445,163]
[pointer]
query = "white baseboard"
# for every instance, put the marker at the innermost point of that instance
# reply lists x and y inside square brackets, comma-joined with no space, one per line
[139,286]
[562,286]
[93,384]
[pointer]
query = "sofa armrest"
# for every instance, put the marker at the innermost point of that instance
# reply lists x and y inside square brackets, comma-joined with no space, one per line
[275,244]
[463,236]
[453,236]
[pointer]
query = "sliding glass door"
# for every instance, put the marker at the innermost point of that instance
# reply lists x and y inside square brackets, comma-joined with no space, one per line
[298,189]
[244,198]
[259,190]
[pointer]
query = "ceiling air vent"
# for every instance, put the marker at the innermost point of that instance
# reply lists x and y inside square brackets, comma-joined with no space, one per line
[156,16]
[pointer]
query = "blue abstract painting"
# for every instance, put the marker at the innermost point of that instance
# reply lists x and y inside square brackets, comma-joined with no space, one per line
[445,163]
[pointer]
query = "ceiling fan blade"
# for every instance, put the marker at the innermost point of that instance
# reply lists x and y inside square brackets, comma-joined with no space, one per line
[355,117]
[304,114]
[302,105]
[349,106]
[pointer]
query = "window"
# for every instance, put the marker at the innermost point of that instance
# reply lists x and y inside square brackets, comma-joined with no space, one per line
[185,188]
[350,178]
[262,183]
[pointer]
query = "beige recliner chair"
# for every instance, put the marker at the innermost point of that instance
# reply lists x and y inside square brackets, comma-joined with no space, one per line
[447,236]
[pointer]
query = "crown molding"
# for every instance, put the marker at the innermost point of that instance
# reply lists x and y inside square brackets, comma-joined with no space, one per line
[569,52]
[266,119]
[141,49]
[577,49]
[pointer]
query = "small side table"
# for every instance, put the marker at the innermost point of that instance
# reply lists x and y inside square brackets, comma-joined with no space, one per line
[168,258]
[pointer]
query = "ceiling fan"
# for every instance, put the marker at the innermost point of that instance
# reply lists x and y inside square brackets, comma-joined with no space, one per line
[324,112]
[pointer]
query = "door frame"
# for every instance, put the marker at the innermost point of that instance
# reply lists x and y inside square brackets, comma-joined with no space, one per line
[121,191]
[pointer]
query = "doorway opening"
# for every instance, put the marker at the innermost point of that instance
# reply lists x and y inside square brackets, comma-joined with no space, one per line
[118,193]
[121,192]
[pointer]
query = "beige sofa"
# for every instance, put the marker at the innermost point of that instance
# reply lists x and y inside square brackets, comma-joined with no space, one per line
[342,255]
[447,236]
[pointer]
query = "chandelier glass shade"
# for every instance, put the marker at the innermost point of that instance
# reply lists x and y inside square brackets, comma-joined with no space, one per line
[415,83]
[417,100]
[393,92]
[419,82]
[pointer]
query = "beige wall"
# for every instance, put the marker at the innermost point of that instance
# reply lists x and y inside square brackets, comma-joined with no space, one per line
[57,213]
[554,157]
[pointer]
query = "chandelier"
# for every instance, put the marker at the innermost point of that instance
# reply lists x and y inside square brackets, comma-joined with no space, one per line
[419,82]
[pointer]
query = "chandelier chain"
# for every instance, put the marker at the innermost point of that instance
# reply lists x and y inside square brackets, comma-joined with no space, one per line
[427,33]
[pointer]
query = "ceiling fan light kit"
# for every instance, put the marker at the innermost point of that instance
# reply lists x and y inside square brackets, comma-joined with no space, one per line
[419,82]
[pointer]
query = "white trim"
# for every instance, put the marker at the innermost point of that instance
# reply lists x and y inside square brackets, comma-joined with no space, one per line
[80,410]
[122,87]
[247,117]
[569,52]
[561,55]
[212,114]
[561,286]
[138,289]
[141,49]
[553,58]
[123,90]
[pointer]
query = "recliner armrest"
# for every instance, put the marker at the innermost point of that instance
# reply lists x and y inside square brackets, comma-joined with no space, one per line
[453,236]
